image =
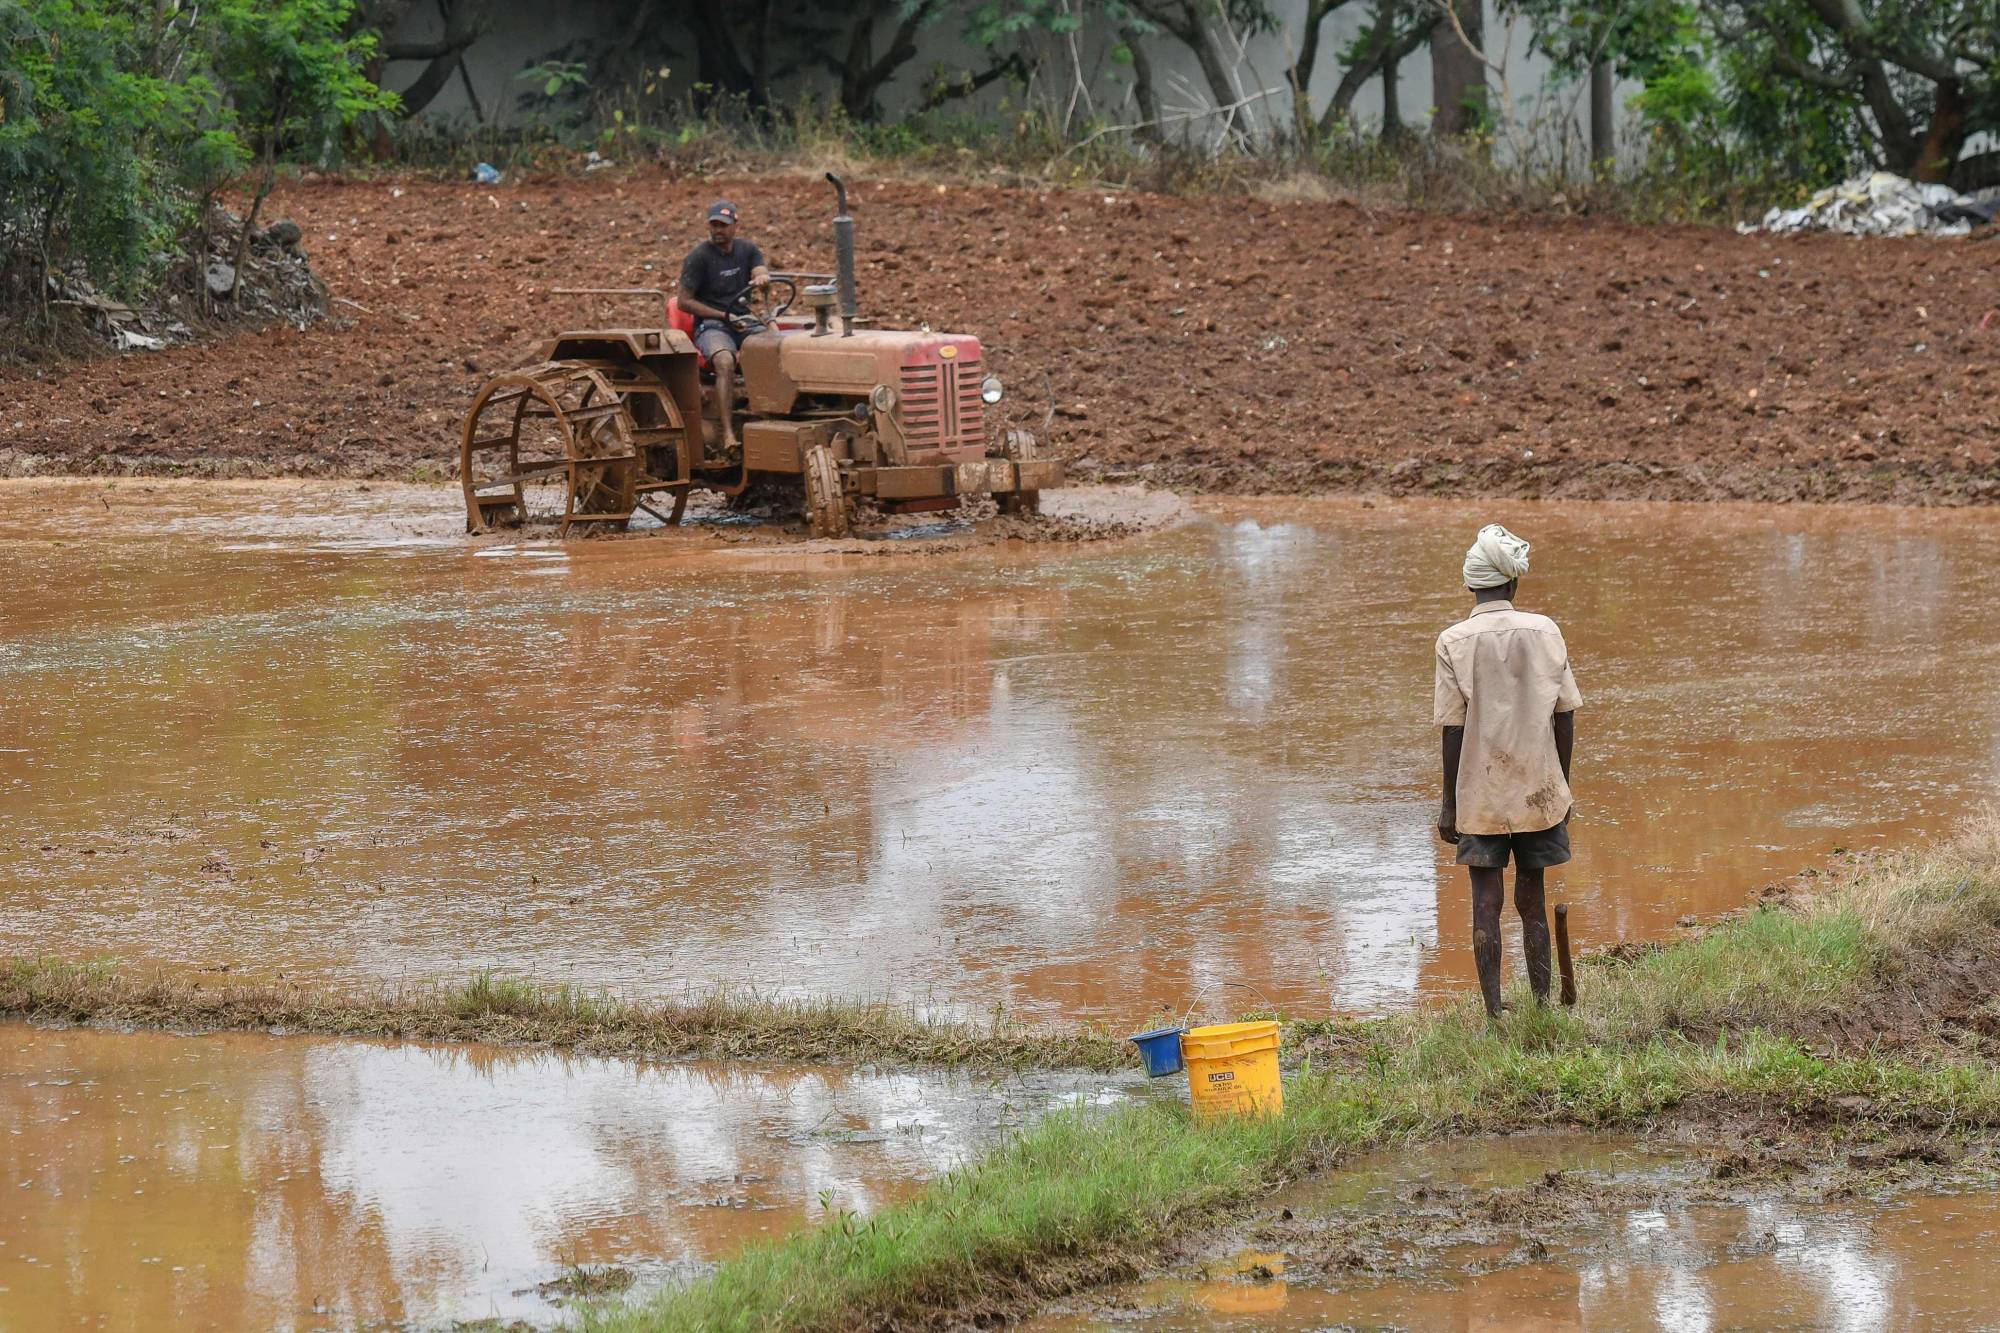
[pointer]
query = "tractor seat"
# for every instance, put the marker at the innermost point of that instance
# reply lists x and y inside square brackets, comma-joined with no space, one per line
[678,318]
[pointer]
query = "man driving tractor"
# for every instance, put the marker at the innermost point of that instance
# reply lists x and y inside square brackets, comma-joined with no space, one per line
[716,280]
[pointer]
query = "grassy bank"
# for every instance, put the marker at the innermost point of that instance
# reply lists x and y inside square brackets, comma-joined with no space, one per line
[1740,1017]
[508,1010]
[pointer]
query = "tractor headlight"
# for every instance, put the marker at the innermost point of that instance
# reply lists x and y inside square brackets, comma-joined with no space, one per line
[990,391]
[883,398]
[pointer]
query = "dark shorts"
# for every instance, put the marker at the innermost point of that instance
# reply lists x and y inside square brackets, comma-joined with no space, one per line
[712,336]
[1531,851]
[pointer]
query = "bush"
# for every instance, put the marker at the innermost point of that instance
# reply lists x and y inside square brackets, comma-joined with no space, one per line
[120,122]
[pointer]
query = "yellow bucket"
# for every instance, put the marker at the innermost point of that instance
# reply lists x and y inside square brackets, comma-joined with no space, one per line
[1233,1070]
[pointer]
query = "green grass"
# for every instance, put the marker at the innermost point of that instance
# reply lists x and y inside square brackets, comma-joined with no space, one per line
[1081,1197]
[495,1007]
[1078,1196]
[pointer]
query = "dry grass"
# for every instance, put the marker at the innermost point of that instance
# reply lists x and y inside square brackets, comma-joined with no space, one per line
[508,1010]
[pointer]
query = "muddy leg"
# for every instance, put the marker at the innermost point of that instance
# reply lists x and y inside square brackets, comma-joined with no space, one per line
[1529,902]
[1488,889]
[725,397]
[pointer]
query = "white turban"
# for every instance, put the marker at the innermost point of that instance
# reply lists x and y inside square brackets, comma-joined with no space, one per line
[1497,556]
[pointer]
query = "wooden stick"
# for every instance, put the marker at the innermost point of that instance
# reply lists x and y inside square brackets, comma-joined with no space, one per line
[1562,954]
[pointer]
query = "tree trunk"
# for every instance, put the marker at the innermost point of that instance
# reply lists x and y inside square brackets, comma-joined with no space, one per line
[1143,90]
[863,75]
[1945,139]
[256,206]
[428,85]
[1392,97]
[1300,75]
[1385,50]
[1603,128]
[446,54]
[1187,21]
[1458,79]
[718,62]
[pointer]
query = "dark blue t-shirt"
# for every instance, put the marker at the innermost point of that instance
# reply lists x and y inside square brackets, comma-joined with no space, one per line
[721,279]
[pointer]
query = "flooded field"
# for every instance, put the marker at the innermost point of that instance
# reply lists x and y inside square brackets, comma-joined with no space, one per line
[1858,1264]
[247,1181]
[309,732]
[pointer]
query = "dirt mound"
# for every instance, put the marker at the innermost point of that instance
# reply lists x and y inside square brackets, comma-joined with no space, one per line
[275,283]
[1205,344]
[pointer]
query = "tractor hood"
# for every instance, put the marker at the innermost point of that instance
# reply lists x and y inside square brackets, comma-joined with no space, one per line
[925,369]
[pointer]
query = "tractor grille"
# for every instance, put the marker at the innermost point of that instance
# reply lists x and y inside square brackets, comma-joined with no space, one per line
[941,405]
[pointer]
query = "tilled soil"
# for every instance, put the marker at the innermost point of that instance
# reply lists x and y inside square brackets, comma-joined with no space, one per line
[1218,344]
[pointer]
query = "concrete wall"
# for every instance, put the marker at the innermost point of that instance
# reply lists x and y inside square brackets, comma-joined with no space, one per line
[525,32]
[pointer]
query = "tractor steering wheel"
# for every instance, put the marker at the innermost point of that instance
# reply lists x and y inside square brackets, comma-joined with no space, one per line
[791,295]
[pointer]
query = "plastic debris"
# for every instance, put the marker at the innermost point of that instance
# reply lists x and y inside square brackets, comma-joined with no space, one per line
[1884,204]
[486,174]
[595,161]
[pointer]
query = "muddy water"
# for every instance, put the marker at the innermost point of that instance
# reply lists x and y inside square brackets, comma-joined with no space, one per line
[260,1182]
[1761,1265]
[311,732]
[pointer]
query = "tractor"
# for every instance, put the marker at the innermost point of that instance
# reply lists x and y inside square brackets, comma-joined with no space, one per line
[615,421]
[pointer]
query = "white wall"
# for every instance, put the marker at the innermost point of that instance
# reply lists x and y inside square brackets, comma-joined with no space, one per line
[525,32]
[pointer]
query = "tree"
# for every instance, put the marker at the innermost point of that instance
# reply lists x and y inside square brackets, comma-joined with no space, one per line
[869,66]
[1921,76]
[1458,70]
[1396,28]
[296,76]
[1300,76]
[465,21]
[111,138]
[1809,88]
[1215,32]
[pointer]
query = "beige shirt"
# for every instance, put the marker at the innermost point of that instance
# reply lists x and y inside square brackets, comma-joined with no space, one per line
[1502,674]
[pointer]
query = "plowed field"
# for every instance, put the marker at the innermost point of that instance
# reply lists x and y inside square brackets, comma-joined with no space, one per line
[1218,344]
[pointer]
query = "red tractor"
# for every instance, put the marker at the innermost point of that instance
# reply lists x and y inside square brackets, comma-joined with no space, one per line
[617,420]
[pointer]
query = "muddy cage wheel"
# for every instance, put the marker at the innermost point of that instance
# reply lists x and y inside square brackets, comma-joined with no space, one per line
[1019,446]
[558,443]
[826,496]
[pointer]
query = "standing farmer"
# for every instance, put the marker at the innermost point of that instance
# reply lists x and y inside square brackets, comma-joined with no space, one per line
[1506,700]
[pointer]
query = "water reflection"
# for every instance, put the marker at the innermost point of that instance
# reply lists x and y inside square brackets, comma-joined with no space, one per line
[1763,1265]
[252,1182]
[1194,768]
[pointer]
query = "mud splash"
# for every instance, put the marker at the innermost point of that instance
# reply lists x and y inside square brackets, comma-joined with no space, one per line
[237,1181]
[308,734]
[1596,1232]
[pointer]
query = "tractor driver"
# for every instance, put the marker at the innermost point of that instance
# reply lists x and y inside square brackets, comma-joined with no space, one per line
[716,280]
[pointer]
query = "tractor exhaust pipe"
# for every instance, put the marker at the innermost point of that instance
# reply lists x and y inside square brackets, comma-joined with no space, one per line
[843,251]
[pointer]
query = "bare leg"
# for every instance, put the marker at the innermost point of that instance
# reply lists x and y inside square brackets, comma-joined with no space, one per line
[725,396]
[1488,889]
[1529,902]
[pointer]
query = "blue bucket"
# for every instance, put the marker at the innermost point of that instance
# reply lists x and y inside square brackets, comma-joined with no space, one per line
[1161,1050]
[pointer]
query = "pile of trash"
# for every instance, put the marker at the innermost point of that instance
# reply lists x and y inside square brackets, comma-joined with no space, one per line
[1885,204]
[277,282]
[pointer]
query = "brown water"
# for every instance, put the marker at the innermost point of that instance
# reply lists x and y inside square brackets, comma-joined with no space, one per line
[310,731]
[1914,1261]
[239,1182]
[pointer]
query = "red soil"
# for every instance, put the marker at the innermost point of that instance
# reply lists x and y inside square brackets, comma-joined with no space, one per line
[1221,344]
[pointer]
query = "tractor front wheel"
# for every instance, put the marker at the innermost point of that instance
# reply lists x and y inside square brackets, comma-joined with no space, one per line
[1018,446]
[826,498]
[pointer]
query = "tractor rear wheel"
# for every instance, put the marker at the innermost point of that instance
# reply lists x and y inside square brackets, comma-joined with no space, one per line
[1018,446]
[826,497]
[560,443]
